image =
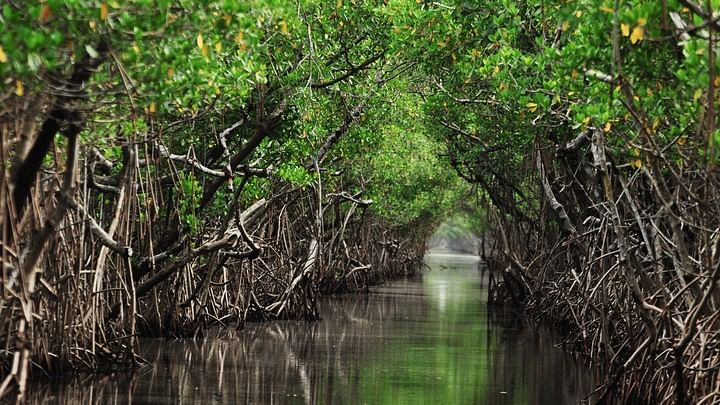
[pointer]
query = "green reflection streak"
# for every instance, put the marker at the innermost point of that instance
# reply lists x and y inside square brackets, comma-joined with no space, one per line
[444,359]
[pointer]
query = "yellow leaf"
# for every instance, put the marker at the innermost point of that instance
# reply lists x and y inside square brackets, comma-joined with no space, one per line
[532,107]
[656,124]
[698,93]
[339,4]
[283,27]
[565,25]
[218,46]
[103,11]
[93,25]
[240,41]
[19,88]
[228,20]
[607,127]
[152,108]
[574,75]
[681,141]
[638,34]
[637,163]
[586,121]
[205,51]
[3,56]
[135,47]
[607,9]
[170,72]
[642,21]
[496,70]
[716,81]
[636,152]
[625,29]
[578,13]
[199,41]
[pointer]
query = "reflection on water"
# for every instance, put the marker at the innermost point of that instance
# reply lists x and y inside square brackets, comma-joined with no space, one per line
[414,341]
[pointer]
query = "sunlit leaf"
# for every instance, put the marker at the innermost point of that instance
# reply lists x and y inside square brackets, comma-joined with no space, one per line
[638,34]
[34,62]
[3,56]
[656,123]
[698,93]
[625,28]
[91,51]
[19,88]
[199,41]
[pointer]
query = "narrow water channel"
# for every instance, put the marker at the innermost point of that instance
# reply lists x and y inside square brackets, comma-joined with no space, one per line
[424,340]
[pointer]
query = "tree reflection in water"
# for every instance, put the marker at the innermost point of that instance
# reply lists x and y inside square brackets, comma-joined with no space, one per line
[426,340]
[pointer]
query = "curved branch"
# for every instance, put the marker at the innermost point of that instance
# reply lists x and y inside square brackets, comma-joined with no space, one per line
[349,73]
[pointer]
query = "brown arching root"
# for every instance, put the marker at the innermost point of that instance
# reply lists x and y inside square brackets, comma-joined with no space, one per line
[105,250]
[632,278]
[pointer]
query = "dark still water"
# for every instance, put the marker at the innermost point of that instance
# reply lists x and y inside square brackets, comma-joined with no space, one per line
[413,341]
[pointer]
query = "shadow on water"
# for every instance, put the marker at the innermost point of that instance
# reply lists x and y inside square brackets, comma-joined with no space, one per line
[424,340]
